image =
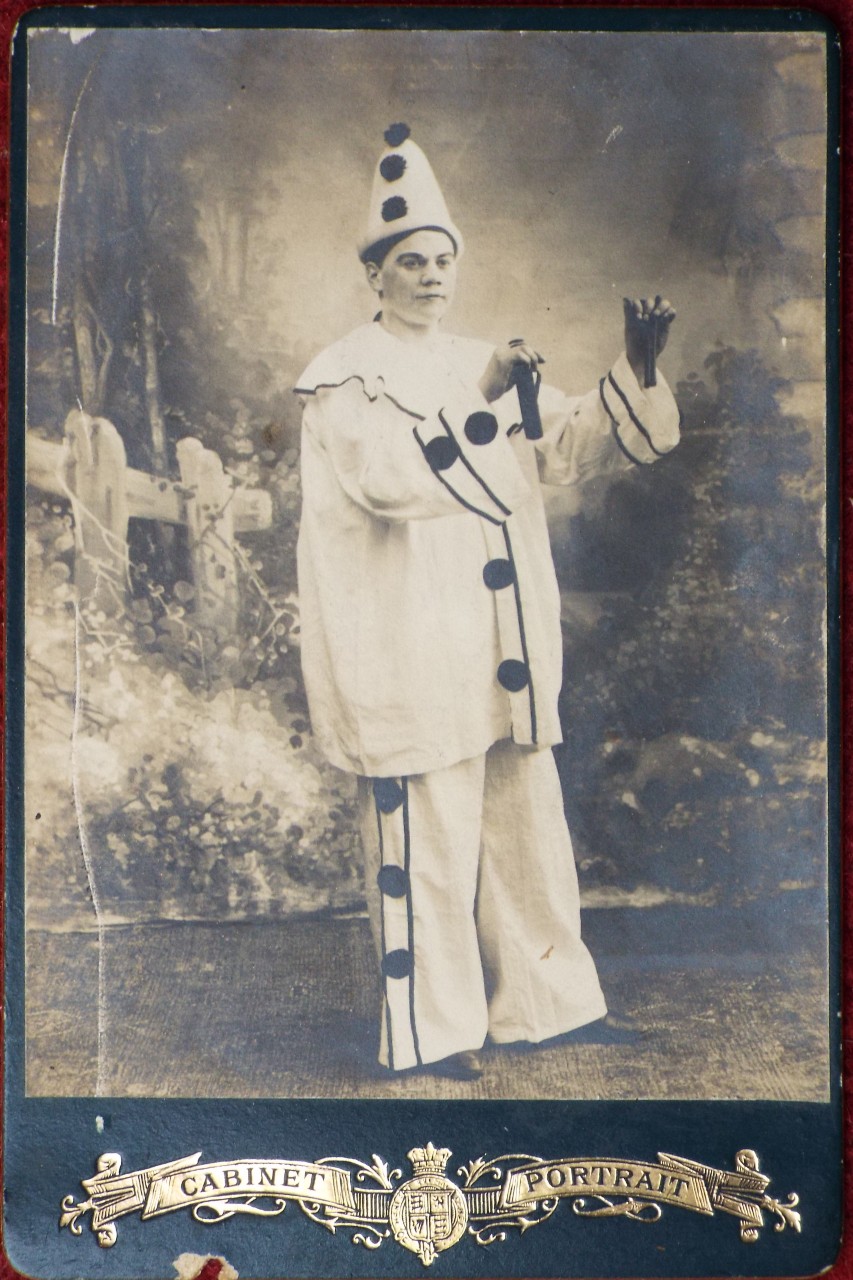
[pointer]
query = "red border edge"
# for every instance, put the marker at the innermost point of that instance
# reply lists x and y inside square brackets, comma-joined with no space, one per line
[838,12]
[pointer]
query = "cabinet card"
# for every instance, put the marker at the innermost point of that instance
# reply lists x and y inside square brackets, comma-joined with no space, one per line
[422,826]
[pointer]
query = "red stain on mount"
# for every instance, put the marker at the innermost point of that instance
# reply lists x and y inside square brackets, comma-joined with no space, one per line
[211,1270]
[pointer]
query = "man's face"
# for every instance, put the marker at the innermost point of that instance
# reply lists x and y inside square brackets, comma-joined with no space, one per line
[416,281]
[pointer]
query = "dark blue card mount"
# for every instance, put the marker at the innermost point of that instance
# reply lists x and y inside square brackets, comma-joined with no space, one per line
[717,926]
[531,1212]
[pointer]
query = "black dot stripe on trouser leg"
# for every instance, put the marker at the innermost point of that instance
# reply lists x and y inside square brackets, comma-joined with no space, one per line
[388,1029]
[407,861]
[398,964]
[393,881]
[388,794]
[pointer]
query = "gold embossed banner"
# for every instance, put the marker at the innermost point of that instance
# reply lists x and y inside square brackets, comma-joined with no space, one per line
[280,1179]
[597,1177]
[428,1212]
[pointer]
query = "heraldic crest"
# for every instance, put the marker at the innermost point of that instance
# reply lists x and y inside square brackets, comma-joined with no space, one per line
[428,1213]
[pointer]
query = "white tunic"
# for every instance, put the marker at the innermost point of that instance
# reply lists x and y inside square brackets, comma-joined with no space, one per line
[430,611]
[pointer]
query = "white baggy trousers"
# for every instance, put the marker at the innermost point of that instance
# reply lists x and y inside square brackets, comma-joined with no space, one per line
[473,899]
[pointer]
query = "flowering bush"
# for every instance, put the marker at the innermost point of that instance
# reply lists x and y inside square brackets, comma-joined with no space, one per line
[176,763]
[212,806]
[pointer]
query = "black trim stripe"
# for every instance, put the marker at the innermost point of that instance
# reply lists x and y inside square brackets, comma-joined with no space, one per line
[407,860]
[636,421]
[480,481]
[388,1031]
[521,633]
[355,377]
[615,428]
[449,487]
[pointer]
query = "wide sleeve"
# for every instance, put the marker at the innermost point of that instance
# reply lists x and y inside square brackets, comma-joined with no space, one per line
[400,466]
[609,430]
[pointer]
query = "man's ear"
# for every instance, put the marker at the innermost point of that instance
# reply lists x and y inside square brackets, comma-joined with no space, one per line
[374,277]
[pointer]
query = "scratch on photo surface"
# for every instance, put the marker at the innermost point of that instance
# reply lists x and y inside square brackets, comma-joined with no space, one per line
[84,849]
[614,133]
[63,177]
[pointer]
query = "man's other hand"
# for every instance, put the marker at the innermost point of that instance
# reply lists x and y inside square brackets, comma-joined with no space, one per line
[503,367]
[639,312]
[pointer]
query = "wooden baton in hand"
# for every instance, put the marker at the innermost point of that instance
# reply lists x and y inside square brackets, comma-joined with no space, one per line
[650,379]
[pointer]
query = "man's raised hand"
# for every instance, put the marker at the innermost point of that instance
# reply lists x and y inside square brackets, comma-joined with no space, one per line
[501,371]
[646,321]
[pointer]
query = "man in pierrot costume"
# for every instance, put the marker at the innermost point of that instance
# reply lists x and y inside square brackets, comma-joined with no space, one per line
[431,640]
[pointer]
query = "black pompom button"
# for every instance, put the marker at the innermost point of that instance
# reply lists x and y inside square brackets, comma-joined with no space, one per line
[498,574]
[396,134]
[393,208]
[441,452]
[392,167]
[388,794]
[513,675]
[398,964]
[481,428]
[393,881]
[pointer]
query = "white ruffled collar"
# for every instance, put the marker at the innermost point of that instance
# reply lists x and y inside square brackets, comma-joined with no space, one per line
[415,376]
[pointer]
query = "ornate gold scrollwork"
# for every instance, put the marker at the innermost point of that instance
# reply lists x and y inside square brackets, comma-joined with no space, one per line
[429,1213]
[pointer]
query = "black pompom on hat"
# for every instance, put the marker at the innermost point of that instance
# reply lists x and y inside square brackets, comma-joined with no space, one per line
[392,167]
[396,134]
[393,208]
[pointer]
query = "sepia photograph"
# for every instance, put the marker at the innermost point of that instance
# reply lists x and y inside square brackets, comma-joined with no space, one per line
[426,564]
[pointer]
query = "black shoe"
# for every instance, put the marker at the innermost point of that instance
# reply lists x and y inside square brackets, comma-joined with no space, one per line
[459,1066]
[613,1028]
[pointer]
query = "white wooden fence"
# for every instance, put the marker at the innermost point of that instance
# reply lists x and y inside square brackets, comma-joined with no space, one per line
[90,469]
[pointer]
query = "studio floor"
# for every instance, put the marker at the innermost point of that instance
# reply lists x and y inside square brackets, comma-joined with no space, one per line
[289,1009]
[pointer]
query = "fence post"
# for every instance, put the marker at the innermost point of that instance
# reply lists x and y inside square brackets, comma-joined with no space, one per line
[95,467]
[210,519]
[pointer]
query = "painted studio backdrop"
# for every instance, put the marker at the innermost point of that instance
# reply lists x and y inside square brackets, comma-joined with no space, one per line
[193,202]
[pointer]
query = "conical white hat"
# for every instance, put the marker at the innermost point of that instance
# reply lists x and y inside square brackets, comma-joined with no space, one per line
[406,196]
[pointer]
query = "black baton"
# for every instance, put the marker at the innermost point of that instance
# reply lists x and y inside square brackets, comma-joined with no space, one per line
[527,386]
[651,351]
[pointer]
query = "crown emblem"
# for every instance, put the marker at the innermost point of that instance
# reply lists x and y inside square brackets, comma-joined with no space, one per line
[428,1213]
[429,1159]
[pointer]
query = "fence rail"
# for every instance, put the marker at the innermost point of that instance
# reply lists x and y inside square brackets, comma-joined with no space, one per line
[90,469]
